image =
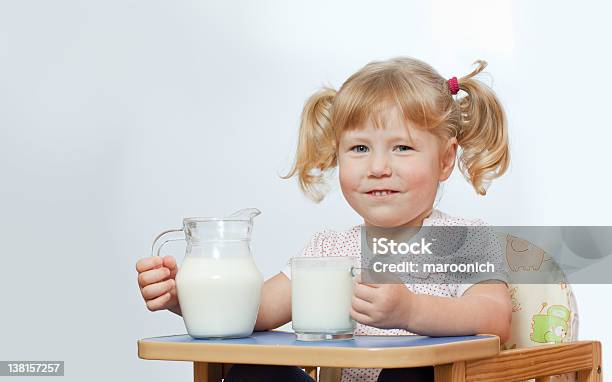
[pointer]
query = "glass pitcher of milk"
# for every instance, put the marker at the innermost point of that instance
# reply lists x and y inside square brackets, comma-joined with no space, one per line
[218,283]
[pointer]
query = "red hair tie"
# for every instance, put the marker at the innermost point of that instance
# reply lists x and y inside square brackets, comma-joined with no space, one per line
[453,85]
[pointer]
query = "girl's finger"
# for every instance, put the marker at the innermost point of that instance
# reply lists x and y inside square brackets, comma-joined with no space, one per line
[169,263]
[159,303]
[361,318]
[361,306]
[359,281]
[153,276]
[364,292]
[148,263]
[153,291]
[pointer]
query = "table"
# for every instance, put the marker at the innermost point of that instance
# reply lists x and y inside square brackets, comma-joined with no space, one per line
[281,348]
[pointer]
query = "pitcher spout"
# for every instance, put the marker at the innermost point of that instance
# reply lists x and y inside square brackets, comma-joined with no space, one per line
[245,214]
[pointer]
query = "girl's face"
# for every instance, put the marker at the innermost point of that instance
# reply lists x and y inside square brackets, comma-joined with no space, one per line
[390,176]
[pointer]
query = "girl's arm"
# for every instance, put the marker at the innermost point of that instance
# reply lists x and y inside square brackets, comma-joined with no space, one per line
[485,308]
[275,304]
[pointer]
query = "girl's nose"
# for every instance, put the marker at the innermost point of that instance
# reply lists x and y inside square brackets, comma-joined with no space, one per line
[379,166]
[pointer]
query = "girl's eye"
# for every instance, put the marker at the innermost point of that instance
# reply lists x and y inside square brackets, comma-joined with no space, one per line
[359,149]
[403,148]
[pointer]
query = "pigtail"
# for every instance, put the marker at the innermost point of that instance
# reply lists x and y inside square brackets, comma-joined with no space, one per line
[482,133]
[316,149]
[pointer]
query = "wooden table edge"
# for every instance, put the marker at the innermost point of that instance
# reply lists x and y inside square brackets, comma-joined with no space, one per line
[411,356]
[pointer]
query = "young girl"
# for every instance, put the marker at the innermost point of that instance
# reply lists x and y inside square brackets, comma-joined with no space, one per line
[393,130]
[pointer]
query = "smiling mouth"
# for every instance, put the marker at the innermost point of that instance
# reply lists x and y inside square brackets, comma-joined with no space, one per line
[382,193]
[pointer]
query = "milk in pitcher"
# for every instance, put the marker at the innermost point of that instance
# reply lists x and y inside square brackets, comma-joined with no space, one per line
[219,297]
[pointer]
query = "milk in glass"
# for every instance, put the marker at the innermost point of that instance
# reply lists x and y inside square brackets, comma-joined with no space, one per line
[321,292]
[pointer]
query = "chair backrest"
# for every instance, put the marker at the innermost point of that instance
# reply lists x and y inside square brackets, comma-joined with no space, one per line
[541,313]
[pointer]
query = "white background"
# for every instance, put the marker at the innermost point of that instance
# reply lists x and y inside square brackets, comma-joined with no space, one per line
[118,118]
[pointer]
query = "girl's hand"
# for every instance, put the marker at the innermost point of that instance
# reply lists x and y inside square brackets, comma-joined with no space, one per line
[156,279]
[385,306]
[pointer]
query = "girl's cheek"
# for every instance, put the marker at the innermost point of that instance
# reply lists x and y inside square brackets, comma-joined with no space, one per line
[418,176]
[346,169]
[347,177]
[427,181]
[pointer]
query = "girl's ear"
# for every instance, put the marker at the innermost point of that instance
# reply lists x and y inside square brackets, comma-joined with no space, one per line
[447,159]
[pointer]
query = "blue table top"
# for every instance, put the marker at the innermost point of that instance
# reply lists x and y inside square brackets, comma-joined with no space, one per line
[280,338]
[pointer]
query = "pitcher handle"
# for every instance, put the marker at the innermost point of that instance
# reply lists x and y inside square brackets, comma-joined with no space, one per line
[166,237]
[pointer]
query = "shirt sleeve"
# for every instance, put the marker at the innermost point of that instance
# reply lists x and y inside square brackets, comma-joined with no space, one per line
[484,247]
[313,248]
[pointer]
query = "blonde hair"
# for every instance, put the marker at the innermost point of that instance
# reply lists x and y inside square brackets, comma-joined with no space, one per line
[422,95]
